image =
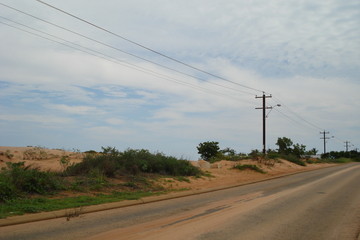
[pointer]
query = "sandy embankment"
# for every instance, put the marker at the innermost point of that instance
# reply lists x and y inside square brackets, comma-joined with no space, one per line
[221,172]
[37,157]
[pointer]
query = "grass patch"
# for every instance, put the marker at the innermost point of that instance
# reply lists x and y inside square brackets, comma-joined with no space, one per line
[250,167]
[43,204]
[182,179]
[336,160]
[208,174]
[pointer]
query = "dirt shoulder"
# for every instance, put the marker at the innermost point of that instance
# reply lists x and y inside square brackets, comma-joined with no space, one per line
[223,174]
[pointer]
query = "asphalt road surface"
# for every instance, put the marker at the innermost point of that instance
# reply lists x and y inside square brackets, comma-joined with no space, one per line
[321,204]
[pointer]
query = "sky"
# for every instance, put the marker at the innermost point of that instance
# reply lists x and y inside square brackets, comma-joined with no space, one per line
[111,79]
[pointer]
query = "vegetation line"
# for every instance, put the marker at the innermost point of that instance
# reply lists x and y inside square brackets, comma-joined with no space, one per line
[111,175]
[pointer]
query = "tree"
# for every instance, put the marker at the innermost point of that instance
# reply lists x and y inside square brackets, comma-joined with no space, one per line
[284,144]
[254,154]
[313,151]
[228,152]
[298,150]
[208,150]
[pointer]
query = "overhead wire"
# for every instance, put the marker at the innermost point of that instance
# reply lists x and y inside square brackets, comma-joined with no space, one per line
[161,54]
[297,115]
[120,50]
[110,58]
[290,118]
[147,48]
[303,121]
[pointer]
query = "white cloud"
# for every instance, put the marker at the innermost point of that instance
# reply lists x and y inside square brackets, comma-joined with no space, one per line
[115,121]
[81,110]
[305,53]
[42,119]
[104,132]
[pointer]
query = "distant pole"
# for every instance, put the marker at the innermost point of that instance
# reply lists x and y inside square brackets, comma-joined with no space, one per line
[264,118]
[324,137]
[347,145]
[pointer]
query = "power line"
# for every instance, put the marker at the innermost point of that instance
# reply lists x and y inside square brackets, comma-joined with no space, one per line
[290,118]
[300,123]
[147,48]
[298,116]
[170,58]
[308,124]
[112,59]
[120,50]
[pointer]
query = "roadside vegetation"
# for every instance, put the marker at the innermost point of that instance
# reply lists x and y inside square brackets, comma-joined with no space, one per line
[287,150]
[102,177]
[249,167]
[341,157]
[112,175]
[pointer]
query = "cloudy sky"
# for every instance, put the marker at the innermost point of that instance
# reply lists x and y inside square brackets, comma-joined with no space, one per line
[65,83]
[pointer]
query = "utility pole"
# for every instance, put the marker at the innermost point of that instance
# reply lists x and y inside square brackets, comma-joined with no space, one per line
[347,145]
[264,107]
[324,137]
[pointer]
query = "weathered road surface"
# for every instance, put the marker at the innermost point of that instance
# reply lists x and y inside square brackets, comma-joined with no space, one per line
[321,204]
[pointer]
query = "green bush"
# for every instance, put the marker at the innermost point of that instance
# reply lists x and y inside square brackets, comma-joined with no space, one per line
[255,154]
[30,180]
[336,160]
[7,189]
[250,167]
[131,162]
[293,159]
[208,150]
[274,155]
[17,179]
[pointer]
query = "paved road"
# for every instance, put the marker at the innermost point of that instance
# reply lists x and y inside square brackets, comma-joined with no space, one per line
[322,204]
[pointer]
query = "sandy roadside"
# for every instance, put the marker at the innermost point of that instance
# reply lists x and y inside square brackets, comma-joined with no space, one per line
[222,173]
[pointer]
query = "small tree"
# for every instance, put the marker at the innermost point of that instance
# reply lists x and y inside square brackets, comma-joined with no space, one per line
[208,150]
[254,154]
[313,151]
[228,152]
[284,144]
[299,150]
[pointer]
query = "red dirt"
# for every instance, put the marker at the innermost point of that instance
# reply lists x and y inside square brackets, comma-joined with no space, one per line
[221,173]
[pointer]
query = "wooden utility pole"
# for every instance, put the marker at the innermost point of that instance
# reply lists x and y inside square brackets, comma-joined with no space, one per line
[325,138]
[264,107]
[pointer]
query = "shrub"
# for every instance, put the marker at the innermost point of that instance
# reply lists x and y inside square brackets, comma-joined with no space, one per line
[255,154]
[90,152]
[290,157]
[250,167]
[229,155]
[273,155]
[17,179]
[293,159]
[336,160]
[7,189]
[208,150]
[112,162]
[31,180]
